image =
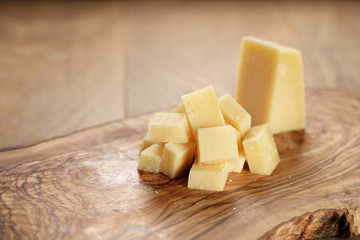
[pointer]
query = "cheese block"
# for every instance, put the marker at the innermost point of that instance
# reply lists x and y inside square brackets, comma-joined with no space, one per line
[202,108]
[146,142]
[239,140]
[169,127]
[176,158]
[270,84]
[260,150]
[180,109]
[237,165]
[208,177]
[235,114]
[150,158]
[217,145]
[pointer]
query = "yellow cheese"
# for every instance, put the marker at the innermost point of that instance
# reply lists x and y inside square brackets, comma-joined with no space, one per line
[179,109]
[169,127]
[260,150]
[208,177]
[238,164]
[217,145]
[239,140]
[177,157]
[235,114]
[270,85]
[150,158]
[202,109]
[146,142]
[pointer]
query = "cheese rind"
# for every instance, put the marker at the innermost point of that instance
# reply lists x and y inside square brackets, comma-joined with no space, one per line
[169,127]
[176,158]
[270,84]
[216,145]
[202,109]
[208,177]
[150,158]
[260,150]
[235,114]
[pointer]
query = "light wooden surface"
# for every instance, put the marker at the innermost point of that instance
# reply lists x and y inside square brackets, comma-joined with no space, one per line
[65,66]
[86,186]
[62,68]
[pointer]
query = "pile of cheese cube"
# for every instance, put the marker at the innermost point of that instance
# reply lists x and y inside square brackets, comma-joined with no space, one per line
[214,136]
[209,135]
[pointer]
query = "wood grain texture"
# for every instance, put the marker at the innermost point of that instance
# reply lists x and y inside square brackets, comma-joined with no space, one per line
[326,222]
[62,68]
[86,186]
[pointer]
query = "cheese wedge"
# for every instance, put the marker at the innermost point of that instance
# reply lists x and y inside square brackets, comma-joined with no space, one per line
[270,84]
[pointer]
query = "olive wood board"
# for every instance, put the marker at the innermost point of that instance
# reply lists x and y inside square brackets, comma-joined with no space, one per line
[86,185]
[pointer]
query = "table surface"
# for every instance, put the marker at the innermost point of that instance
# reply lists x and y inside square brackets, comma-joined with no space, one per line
[86,186]
[65,66]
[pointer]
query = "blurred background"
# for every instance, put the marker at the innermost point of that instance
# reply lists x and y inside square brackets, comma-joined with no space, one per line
[66,66]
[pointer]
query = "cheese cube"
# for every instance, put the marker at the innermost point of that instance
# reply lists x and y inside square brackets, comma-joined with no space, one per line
[235,114]
[202,109]
[239,140]
[270,84]
[150,158]
[169,127]
[208,177]
[180,109]
[216,145]
[260,150]
[238,164]
[146,142]
[177,157]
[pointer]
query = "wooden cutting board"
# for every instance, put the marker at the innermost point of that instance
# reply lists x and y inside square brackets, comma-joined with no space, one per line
[86,185]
